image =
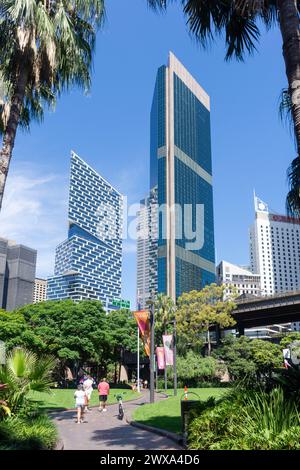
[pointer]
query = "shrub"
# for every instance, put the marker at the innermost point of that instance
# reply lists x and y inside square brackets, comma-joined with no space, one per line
[247,421]
[35,433]
[194,370]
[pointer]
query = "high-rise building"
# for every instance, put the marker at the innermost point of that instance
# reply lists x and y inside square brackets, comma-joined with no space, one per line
[142,285]
[275,250]
[241,279]
[147,250]
[40,290]
[181,173]
[17,274]
[88,264]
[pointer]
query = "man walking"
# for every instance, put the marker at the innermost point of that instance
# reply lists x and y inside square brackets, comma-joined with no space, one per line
[103,389]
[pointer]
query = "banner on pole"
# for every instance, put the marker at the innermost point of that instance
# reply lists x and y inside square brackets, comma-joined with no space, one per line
[168,340]
[142,319]
[160,354]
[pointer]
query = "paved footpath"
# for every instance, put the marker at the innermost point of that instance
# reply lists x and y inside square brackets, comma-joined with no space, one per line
[104,431]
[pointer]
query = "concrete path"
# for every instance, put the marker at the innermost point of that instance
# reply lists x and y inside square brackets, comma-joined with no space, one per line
[104,431]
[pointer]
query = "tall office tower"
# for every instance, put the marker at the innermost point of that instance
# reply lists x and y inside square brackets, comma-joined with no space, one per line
[17,274]
[40,290]
[243,280]
[181,172]
[142,294]
[275,250]
[146,250]
[88,264]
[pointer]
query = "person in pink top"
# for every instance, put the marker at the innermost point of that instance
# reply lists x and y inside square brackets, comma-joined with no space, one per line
[103,389]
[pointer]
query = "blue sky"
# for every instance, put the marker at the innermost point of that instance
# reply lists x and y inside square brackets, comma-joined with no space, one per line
[109,128]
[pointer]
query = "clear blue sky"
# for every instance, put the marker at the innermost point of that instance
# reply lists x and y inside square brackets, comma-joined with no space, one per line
[110,130]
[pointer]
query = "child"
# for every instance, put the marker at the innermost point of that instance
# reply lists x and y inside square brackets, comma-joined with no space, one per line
[80,400]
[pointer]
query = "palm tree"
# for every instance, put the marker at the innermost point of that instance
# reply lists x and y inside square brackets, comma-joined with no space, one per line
[25,372]
[46,46]
[240,21]
[164,315]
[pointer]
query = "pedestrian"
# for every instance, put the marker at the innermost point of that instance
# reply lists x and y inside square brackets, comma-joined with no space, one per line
[88,388]
[103,389]
[145,383]
[80,397]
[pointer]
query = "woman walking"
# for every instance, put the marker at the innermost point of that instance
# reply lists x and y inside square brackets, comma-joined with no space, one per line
[80,400]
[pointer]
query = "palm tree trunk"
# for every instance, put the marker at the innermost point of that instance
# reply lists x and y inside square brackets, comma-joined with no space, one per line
[11,128]
[289,25]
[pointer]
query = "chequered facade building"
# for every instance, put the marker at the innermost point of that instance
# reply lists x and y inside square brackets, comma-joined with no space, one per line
[88,264]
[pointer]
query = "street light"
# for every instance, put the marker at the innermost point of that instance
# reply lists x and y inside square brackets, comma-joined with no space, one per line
[152,323]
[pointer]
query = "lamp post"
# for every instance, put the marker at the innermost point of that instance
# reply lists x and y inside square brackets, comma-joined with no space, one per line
[174,357]
[152,323]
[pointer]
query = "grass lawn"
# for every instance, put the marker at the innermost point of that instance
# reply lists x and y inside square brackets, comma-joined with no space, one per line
[165,414]
[64,398]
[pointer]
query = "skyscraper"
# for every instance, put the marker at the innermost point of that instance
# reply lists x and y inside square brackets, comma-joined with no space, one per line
[275,250]
[147,249]
[17,274]
[181,173]
[88,264]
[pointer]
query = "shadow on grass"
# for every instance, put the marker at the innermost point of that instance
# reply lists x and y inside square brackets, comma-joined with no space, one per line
[167,423]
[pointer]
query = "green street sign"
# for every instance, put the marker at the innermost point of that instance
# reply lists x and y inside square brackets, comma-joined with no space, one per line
[121,303]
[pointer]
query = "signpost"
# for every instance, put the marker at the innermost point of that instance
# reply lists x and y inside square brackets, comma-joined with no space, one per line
[121,303]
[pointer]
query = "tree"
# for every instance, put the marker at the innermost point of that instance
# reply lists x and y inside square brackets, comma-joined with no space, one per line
[198,311]
[246,358]
[46,46]
[24,372]
[15,331]
[122,334]
[164,309]
[240,21]
[75,333]
[192,369]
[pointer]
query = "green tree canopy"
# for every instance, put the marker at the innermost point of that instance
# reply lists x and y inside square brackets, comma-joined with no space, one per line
[198,311]
[249,358]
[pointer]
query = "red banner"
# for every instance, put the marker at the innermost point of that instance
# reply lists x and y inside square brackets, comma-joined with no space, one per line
[160,354]
[142,319]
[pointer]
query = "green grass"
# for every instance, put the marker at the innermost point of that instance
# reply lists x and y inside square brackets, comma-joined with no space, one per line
[64,398]
[165,414]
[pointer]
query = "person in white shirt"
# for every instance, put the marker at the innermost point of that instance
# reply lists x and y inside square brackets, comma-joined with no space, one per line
[80,400]
[88,388]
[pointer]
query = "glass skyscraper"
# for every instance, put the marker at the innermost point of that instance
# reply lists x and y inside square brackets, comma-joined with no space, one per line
[181,172]
[88,264]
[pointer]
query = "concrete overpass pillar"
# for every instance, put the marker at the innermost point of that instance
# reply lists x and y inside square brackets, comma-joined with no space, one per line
[240,330]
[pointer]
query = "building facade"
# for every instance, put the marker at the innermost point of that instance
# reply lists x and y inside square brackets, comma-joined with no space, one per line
[17,274]
[147,250]
[275,250]
[181,173]
[88,265]
[40,290]
[241,279]
[142,255]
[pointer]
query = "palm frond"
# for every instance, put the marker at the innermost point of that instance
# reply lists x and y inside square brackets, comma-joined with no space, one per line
[242,34]
[293,197]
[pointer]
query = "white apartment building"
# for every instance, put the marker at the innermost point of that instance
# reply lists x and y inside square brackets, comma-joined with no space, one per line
[40,290]
[275,250]
[242,279]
